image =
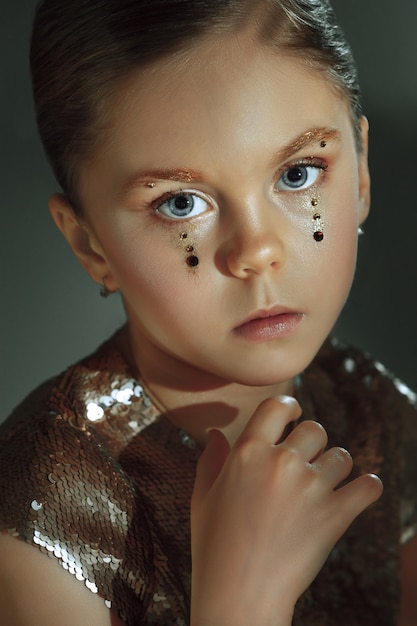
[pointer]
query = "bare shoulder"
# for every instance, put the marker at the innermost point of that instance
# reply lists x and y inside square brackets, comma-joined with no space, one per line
[36,591]
[408,611]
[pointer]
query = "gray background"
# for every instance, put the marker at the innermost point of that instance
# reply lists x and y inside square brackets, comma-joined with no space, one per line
[51,313]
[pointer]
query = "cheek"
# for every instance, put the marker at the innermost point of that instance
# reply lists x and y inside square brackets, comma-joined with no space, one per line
[342,213]
[152,269]
[341,231]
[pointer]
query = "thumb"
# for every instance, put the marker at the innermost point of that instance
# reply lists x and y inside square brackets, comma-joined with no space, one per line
[211,462]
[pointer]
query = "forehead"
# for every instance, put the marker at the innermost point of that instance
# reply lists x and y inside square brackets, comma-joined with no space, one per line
[218,62]
[222,74]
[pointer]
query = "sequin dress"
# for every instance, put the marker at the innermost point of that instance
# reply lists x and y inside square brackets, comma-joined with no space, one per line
[92,474]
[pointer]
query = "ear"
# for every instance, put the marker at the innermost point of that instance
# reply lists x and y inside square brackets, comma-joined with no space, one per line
[364,176]
[82,241]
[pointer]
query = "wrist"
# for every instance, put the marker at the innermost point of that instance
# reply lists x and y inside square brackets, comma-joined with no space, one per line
[216,612]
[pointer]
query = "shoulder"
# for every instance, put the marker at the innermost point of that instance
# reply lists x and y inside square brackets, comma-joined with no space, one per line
[62,488]
[56,490]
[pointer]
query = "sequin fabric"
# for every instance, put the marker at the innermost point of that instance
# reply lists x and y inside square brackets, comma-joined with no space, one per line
[93,475]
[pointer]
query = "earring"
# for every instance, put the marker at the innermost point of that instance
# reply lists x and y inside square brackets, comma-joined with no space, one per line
[191,260]
[104,290]
[318,226]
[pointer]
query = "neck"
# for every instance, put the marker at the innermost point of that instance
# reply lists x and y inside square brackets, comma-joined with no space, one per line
[192,399]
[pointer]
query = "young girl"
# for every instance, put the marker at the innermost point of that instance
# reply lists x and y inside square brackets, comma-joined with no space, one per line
[213,161]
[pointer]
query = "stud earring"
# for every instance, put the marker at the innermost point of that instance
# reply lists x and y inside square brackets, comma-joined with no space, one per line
[191,260]
[318,233]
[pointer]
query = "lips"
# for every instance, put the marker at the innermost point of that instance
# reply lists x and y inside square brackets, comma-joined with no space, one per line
[264,325]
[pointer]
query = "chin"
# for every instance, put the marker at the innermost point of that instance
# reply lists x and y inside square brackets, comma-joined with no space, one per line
[266,377]
[276,369]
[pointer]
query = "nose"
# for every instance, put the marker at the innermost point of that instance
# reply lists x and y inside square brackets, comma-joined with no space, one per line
[254,242]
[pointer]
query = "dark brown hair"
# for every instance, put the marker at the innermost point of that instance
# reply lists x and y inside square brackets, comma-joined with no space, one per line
[81,48]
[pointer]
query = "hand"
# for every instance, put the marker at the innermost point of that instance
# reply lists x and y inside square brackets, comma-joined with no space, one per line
[265,515]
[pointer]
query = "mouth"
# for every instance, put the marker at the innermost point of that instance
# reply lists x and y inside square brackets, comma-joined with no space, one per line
[263,325]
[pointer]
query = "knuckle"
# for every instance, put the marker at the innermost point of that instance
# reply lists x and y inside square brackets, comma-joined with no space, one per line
[245,449]
[288,457]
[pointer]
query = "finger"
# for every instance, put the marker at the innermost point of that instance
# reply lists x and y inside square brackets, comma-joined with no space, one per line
[334,466]
[356,496]
[308,439]
[211,462]
[270,418]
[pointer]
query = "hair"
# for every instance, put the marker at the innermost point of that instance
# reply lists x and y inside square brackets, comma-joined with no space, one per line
[80,49]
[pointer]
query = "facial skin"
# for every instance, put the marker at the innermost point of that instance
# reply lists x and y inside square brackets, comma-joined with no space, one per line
[226,130]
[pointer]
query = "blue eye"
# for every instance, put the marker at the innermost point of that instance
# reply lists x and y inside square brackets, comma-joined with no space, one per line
[182,205]
[299,177]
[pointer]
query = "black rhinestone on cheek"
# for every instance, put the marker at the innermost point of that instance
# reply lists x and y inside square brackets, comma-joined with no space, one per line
[318,235]
[192,261]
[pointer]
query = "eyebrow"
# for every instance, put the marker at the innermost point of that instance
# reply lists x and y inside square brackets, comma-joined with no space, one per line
[304,140]
[187,175]
[178,174]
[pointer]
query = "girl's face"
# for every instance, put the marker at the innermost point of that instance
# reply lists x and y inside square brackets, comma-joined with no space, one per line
[226,157]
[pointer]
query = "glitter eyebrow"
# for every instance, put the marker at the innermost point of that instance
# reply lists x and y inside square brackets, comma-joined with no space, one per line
[182,175]
[304,140]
